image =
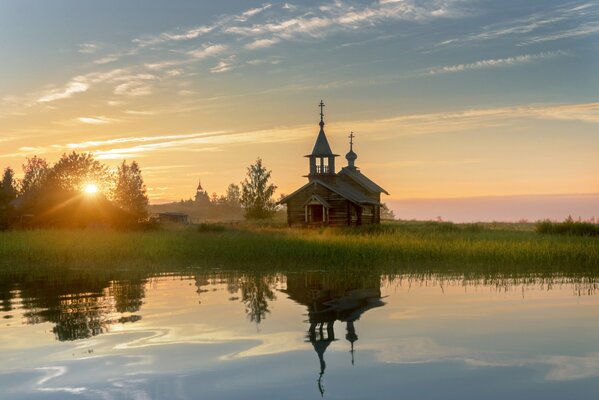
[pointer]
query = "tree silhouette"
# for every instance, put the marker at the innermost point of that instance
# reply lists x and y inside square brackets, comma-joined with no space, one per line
[8,194]
[130,192]
[257,193]
[233,196]
[73,171]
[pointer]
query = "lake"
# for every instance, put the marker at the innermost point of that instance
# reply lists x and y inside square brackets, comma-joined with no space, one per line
[304,335]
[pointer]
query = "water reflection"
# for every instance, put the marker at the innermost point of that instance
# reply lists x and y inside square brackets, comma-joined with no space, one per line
[79,307]
[84,305]
[329,301]
[309,327]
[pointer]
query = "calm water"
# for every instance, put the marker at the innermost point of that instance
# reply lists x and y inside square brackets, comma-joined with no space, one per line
[298,336]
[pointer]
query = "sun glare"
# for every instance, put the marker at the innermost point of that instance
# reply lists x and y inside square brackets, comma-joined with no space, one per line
[90,188]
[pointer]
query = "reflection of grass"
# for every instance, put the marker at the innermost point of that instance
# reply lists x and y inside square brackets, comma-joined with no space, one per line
[388,248]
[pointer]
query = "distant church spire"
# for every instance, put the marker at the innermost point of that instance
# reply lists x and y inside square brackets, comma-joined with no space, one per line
[351,156]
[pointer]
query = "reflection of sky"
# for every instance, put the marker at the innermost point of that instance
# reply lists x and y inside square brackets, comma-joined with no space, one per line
[430,340]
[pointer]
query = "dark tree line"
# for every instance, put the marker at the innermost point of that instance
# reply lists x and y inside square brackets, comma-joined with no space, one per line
[76,191]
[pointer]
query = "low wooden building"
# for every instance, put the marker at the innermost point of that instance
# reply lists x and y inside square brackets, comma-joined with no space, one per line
[343,198]
[173,218]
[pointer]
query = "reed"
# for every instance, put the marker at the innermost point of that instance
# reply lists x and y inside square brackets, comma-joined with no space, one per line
[388,248]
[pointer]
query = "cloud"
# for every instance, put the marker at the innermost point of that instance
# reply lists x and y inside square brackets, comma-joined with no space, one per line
[464,120]
[79,84]
[195,32]
[159,65]
[311,21]
[135,85]
[290,23]
[70,89]
[403,125]
[105,60]
[587,29]
[169,36]
[252,11]
[577,14]
[261,43]
[95,120]
[222,66]
[208,51]
[498,62]
[88,48]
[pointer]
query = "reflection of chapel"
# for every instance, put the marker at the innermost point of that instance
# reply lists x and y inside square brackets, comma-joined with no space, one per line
[344,198]
[329,302]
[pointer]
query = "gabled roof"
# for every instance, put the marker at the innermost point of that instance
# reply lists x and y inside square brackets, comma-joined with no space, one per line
[341,188]
[362,180]
[319,200]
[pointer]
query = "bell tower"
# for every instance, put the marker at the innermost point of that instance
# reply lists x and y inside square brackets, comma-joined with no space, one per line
[322,159]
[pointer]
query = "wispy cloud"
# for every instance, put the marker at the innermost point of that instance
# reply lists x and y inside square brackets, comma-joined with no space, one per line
[105,60]
[460,121]
[208,51]
[98,120]
[253,11]
[78,84]
[261,43]
[195,32]
[586,29]
[75,86]
[222,66]
[88,48]
[579,15]
[497,62]
[379,129]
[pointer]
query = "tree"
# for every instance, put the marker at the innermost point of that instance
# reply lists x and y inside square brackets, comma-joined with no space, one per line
[386,213]
[256,196]
[130,191]
[73,171]
[8,193]
[35,172]
[35,177]
[233,196]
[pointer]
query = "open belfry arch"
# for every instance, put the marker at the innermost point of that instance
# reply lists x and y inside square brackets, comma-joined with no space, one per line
[343,198]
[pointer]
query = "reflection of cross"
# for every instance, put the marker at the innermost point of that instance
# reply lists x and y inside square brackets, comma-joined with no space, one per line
[321,105]
[351,139]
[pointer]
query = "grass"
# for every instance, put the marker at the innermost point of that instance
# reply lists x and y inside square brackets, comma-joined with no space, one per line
[569,227]
[392,248]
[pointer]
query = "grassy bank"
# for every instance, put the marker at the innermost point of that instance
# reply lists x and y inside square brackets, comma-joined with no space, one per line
[389,248]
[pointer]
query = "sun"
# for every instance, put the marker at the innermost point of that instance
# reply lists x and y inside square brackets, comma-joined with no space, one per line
[90,188]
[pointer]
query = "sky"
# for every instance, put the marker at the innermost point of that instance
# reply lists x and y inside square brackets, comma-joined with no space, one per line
[448,99]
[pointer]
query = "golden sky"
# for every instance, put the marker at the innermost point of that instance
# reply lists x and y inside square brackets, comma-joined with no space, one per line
[447,98]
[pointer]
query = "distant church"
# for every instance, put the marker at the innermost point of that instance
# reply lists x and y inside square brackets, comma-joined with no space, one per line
[344,198]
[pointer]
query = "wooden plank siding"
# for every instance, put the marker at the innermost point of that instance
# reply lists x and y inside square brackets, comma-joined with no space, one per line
[342,212]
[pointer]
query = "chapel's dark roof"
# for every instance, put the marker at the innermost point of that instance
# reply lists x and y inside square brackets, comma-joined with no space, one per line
[362,180]
[341,188]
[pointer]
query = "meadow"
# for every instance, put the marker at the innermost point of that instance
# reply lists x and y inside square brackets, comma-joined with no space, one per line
[507,250]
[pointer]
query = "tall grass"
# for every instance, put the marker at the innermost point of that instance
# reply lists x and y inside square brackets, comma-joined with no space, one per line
[388,248]
[568,227]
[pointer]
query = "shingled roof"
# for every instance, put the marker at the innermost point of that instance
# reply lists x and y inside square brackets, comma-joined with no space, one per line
[341,188]
[362,180]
